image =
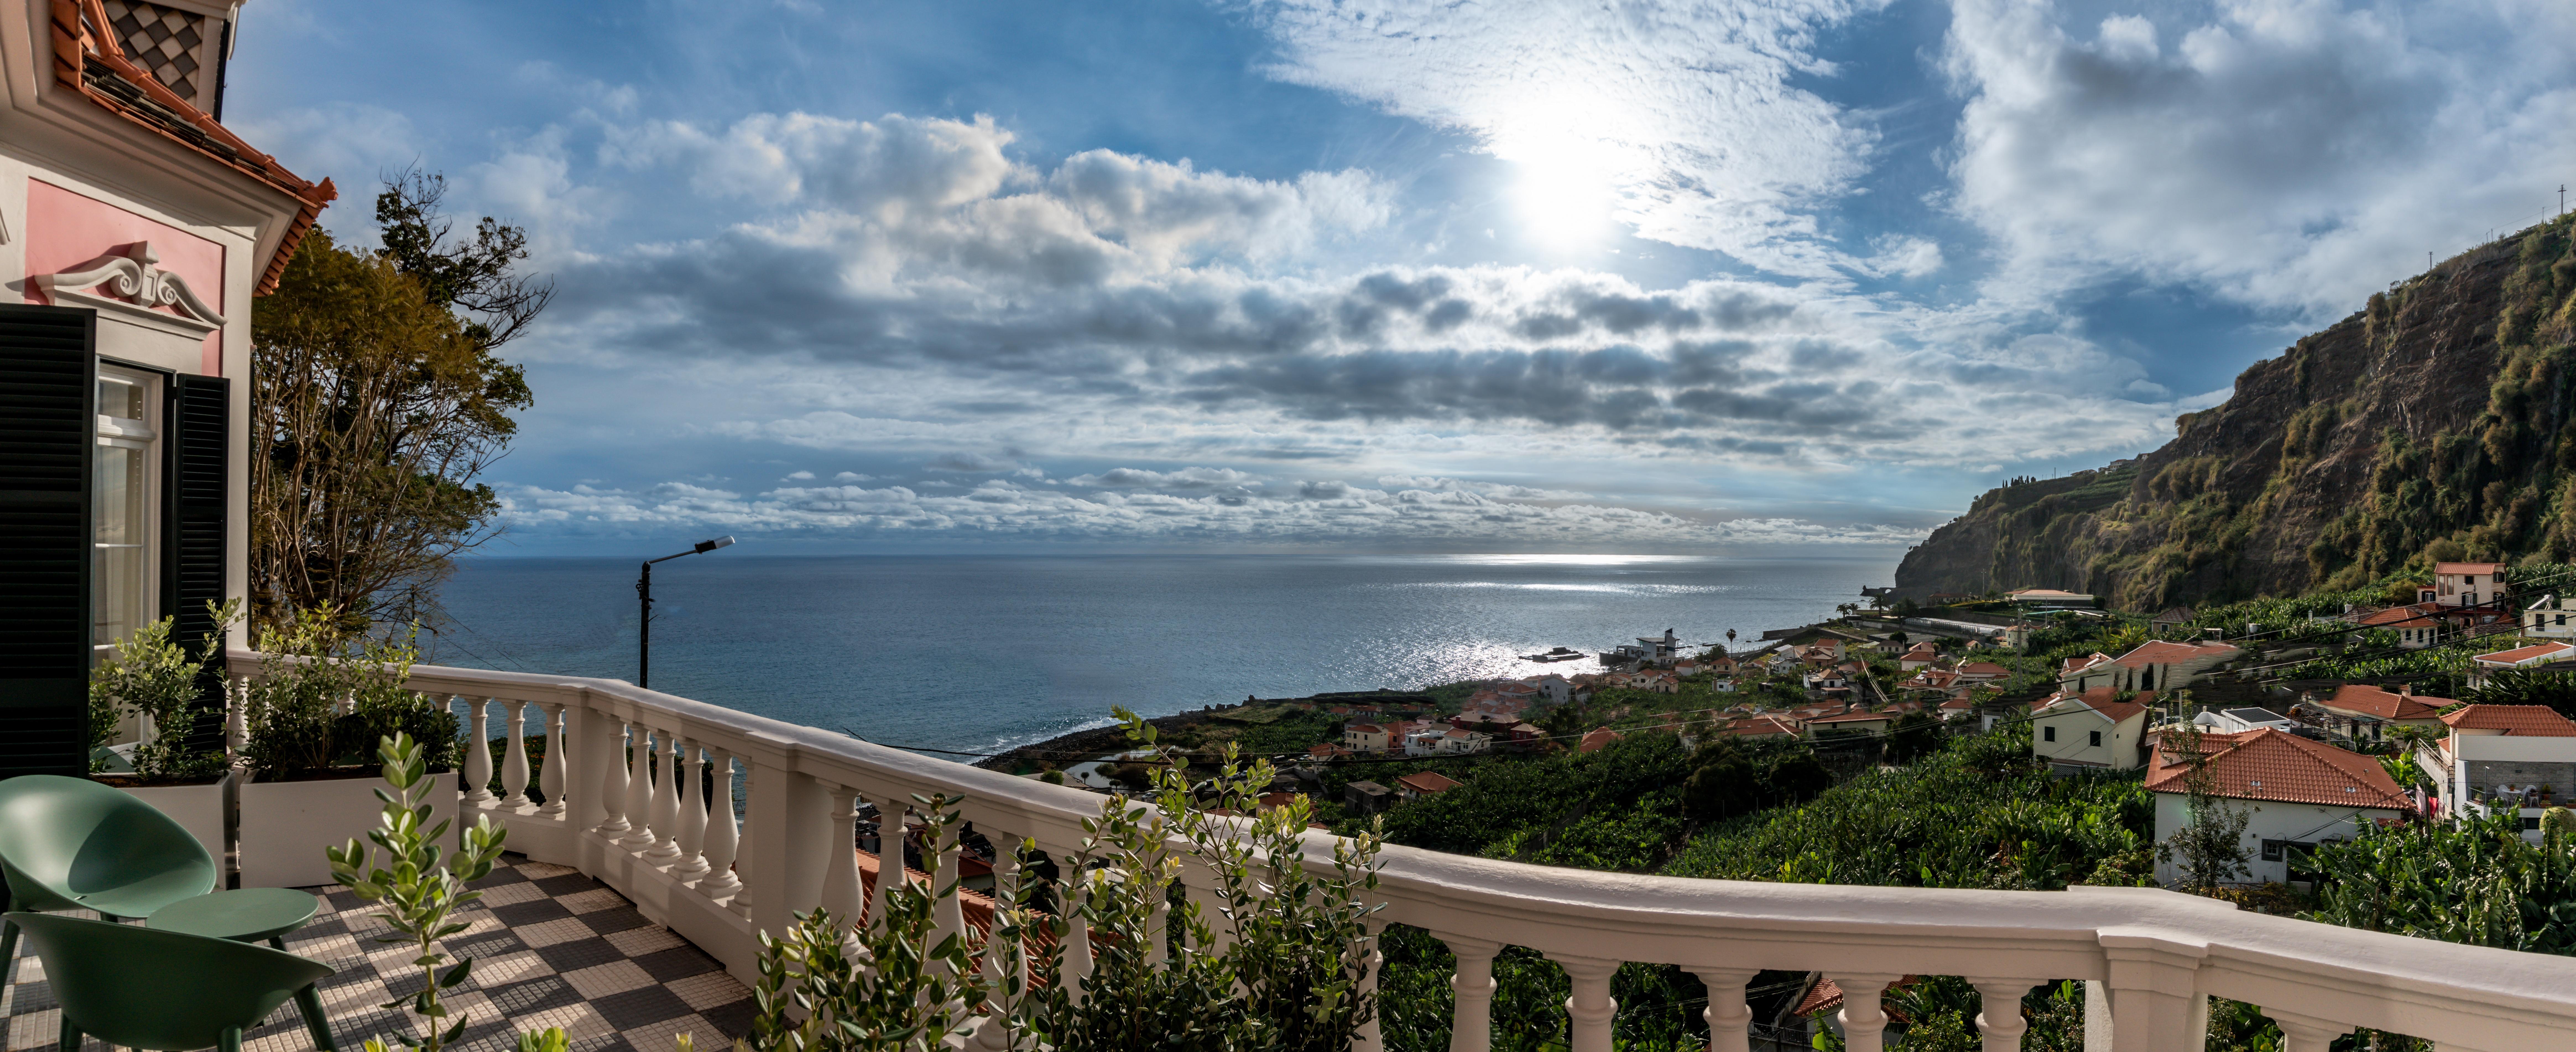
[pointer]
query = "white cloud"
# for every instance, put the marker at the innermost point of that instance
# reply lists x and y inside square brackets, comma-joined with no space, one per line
[801,476]
[2284,153]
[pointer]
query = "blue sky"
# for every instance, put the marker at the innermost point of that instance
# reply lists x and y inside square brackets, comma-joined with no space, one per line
[1705,276]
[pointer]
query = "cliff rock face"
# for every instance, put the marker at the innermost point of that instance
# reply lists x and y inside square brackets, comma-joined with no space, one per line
[2434,418]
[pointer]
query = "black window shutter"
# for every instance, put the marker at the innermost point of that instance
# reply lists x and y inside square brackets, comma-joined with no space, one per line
[48,435]
[192,536]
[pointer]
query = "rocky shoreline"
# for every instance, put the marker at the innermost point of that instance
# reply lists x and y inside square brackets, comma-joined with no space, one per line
[1065,750]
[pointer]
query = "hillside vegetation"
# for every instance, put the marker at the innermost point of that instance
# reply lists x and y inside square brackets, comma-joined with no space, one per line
[2430,424]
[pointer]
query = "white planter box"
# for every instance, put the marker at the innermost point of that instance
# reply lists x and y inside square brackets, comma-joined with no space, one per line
[286,826]
[199,809]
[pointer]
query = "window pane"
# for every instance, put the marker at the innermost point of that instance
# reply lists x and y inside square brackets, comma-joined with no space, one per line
[120,398]
[123,510]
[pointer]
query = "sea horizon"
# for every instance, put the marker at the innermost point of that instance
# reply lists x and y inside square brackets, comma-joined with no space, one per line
[984,653]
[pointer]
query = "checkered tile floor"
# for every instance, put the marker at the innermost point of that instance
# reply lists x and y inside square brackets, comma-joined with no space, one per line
[551,947]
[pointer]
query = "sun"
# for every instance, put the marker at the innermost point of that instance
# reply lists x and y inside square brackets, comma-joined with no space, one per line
[1566,184]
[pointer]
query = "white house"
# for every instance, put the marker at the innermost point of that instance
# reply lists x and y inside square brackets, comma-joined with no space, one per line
[2089,730]
[2464,584]
[2416,627]
[1424,740]
[1458,742]
[1554,688]
[2540,653]
[2297,793]
[1364,737]
[2503,751]
[2154,665]
[2546,618]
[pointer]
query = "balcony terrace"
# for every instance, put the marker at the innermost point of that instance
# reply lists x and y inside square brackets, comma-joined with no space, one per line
[631,902]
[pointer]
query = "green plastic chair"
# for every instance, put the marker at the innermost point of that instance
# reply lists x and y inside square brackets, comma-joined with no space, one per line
[147,989]
[71,843]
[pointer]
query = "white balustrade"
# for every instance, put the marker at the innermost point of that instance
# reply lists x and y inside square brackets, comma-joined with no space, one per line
[2149,959]
[514,766]
[478,753]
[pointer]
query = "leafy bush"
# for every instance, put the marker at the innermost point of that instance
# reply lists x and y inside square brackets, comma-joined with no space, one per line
[324,696]
[417,895]
[2476,881]
[149,673]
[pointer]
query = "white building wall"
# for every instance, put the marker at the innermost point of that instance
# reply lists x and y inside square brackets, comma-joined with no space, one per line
[2266,820]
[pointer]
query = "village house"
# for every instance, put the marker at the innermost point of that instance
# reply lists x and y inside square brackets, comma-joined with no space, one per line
[1982,672]
[1765,726]
[1597,739]
[2464,584]
[2096,728]
[2523,754]
[1424,783]
[2546,618]
[1958,709]
[1423,739]
[1854,721]
[2297,794]
[1555,688]
[1458,741]
[1921,655]
[2154,665]
[1364,737]
[1365,798]
[2524,657]
[2416,626]
[2365,708]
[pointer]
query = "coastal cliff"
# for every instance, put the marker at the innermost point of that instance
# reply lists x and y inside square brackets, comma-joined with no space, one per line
[2433,418]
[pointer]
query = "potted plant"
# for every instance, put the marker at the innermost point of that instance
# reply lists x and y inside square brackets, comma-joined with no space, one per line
[150,682]
[323,700]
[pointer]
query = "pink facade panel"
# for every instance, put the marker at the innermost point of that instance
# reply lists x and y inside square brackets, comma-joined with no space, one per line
[66,229]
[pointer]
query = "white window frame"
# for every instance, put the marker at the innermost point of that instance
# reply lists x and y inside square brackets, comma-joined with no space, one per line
[143,435]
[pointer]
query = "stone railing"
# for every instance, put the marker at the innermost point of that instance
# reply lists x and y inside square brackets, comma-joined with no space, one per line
[2151,958]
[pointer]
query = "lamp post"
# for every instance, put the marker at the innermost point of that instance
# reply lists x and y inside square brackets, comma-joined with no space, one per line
[644,593]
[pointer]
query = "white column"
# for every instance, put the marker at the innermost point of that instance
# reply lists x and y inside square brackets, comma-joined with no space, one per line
[639,789]
[2301,1033]
[1370,1037]
[666,800]
[514,766]
[991,1035]
[478,754]
[2153,987]
[1729,1020]
[692,769]
[947,916]
[1589,1011]
[1999,1012]
[723,837]
[788,839]
[551,776]
[1471,1024]
[841,885]
[613,795]
[890,813]
[1864,1018]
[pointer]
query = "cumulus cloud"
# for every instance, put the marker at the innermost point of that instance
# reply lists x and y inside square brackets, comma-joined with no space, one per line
[1185,478]
[1316,511]
[2286,153]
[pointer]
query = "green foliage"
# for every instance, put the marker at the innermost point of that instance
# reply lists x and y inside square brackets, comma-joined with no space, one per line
[1977,814]
[1608,809]
[150,673]
[2209,849]
[2526,687]
[894,995]
[310,671]
[2476,882]
[550,1039]
[417,894]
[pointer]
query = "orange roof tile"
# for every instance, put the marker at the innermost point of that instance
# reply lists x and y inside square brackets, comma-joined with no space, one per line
[1428,782]
[2267,764]
[2468,568]
[2163,652]
[2373,701]
[2527,721]
[2534,652]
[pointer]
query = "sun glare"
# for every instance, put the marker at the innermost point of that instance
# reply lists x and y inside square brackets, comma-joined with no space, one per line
[1566,184]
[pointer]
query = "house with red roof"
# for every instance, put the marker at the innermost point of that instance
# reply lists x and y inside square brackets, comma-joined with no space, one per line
[1920,655]
[2153,665]
[2096,729]
[2464,584]
[2296,793]
[1598,739]
[2518,753]
[2536,654]
[1425,783]
[1853,721]
[2364,706]
[1765,726]
[1364,737]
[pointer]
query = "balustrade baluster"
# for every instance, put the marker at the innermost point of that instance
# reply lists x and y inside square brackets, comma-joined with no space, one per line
[992,1035]
[890,836]
[2301,1033]
[723,838]
[1071,888]
[478,754]
[1729,1019]
[1591,1008]
[692,770]
[1864,1018]
[666,799]
[550,773]
[514,766]
[1471,1023]
[639,790]
[1999,1012]
[743,865]
[613,799]
[842,888]
[948,915]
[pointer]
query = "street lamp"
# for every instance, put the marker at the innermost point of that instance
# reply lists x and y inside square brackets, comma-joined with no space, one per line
[644,592]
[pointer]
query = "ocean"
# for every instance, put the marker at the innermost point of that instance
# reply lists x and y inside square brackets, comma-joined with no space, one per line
[981,653]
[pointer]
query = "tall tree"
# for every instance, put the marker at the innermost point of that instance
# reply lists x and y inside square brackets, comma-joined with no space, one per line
[378,399]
